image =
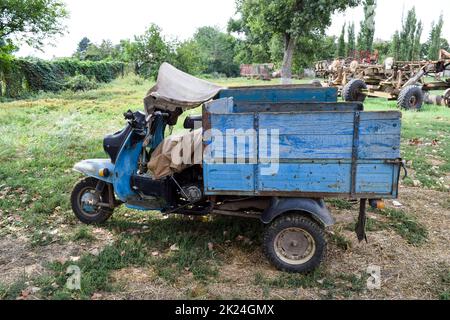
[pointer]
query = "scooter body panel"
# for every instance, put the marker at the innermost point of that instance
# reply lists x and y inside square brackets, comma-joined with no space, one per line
[92,167]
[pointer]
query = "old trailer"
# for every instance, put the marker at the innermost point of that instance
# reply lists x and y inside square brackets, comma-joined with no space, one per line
[325,149]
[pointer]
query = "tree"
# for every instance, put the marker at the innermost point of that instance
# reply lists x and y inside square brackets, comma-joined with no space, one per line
[383,48]
[351,46]
[217,51]
[395,46]
[341,49]
[408,35]
[31,21]
[367,32]
[416,42]
[149,51]
[406,44]
[434,41]
[83,46]
[255,48]
[290,19]
[188,57]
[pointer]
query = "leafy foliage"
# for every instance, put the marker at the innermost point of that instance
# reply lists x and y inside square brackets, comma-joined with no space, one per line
[351,46]
[367,32]
[290,19]
[217,50]
[21,76]
[341,49]
[31,20]
[406,43]
[435,42]
[149,51]
[80,83]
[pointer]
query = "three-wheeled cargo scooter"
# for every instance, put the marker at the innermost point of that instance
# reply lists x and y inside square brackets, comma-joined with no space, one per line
[290,148]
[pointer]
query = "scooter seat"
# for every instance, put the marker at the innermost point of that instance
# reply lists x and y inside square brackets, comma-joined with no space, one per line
[190,121]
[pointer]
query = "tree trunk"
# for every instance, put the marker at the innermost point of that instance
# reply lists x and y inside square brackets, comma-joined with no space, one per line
[286,68]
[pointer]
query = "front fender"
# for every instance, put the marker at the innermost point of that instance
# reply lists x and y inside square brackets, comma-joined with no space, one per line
[92,167]
[315,207]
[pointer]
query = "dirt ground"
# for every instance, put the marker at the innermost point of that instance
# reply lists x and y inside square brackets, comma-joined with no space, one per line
[407,271]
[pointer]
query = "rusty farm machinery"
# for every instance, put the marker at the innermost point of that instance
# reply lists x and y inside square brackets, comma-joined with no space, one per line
[408,82]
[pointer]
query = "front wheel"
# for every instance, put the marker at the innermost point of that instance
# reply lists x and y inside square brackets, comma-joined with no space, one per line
[294,243]
[85,202]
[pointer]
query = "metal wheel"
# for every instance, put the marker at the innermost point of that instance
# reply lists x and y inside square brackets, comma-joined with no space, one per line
[295,243]
[294,246]
[85,201]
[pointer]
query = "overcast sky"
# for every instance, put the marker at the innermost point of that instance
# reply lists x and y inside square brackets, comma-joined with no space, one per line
[119,19]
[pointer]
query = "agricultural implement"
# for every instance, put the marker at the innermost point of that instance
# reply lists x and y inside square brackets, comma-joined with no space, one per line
[405,82]
[271,153]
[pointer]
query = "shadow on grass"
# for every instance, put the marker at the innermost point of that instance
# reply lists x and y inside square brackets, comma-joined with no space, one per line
[172,247]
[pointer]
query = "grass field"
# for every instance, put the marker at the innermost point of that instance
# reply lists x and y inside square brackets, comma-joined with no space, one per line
[142,255]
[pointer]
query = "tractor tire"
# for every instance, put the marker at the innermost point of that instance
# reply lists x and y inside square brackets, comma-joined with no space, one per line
[89,214]
[411,98]
[447,97]
[353,91]
[294,243]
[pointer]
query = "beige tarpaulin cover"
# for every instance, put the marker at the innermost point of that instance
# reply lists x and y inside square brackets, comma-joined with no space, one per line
[176,89]
[176,153]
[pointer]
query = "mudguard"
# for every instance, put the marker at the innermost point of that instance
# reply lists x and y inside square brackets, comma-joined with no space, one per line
[92,167]
[314,207]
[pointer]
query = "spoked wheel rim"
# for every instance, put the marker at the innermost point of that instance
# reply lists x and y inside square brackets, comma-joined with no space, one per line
[87,200]
[294,246]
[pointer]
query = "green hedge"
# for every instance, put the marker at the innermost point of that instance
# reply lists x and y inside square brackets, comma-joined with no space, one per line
[22,76]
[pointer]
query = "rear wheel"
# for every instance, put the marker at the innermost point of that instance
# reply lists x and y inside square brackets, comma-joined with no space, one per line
[294,243]
[411,98]
[353,91]
[85,202]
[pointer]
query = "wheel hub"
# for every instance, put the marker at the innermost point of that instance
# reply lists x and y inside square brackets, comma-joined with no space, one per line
[294,245]
[413,101]
[89,201]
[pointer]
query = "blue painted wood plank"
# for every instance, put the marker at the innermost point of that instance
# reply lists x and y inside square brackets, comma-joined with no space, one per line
[229,177]
[280,94]
[375,178]
[312,123]
[329,178]
[379,147]
[221,106]
[332,177]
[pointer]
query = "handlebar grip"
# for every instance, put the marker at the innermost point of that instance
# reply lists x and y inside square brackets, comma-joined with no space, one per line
[129,115]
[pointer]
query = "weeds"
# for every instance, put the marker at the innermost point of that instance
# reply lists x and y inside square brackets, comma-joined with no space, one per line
[83,233]
[331,285]
[406,226]
[339,240]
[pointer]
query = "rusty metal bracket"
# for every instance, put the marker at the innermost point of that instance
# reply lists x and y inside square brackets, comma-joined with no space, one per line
[355,150]
[362,219]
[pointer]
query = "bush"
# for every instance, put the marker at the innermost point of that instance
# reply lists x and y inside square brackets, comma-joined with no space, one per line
[80,83]
[21,76]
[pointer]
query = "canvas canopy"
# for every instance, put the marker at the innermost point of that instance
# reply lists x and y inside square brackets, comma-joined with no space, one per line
[176,89]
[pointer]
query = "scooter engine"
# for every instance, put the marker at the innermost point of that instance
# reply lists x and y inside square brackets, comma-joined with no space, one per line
[193,193]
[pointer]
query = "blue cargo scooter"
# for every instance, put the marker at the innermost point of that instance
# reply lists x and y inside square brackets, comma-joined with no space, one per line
[363,164]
